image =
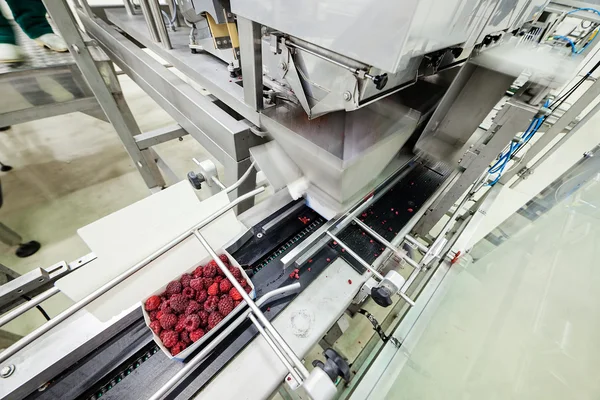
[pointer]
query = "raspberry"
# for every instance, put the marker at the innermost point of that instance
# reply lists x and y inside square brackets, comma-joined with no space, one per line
[185,280]
[152,315]
[178,303]
[220,272]
[168,321]
[185,337]
[213,290]
[201,296]
[235,295]
[196,335]
[155,326]
[189,293]
[206,282]
[198,272]
[236,303]
[218,278]
[237,274]
[192,308]
[243,282]
[169,338]
[152,303]
[164,306]
[225,286]
[173,288]
[225,305]
[248,289]
[180,327]
[211,303]
[178,348]
[160,313]
[203,318]
[210,270]
[197,284]
[214,319]
[192,322]
[224,258]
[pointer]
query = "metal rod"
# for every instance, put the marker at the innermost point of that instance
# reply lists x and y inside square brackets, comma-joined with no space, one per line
[218,182]
[358,258]
[149,20]
[160,24]
[242,179]
[390,246]
[14,313]
[194,362]
[321,56]
[414,241]
[274,347]
[23,342]
[255,310]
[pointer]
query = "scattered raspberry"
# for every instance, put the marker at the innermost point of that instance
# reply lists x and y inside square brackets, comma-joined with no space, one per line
[185,280]
[243,282]
[189,293]
[203,318]
[235,295]
[211,303]
[168,321]
[225,305]
[192,322]
[152,315]
[155,326]
[201,296]
[410,210]
[196,335]
[180,326]
[206,282]
[213,290]
[210,270]
[185,337]
[192,308]
[197,284]
[169,338]
[178,303]
[214,319]
[198,272]
[173,288]
[237,274]
[178,348]
[152,303]
[224,286]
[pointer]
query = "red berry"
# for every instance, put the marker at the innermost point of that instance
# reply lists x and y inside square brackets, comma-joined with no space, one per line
[197,284]
[196,335]
[243,282]
[210,270]
[152,315]
[178,348]
[164,306]
[213,290]
[235,295]
[203,318]
[185,280]
[206,282]
[169,338]
[168,321]
[220,272]
[237,303]
[225,305]
[192,322]
[224,258]
[192,308]
[201,296]
[180,326]
[214,319]
[211,303]
[158,314]
[198,272]
[152,303]
[218,279]
[237,274]
[178,303]
[248,289]
[155,326]
[173,288]
[224,286]
[185,337]
[189,293]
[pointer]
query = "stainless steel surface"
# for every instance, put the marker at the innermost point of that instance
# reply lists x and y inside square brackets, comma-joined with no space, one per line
[12,350]
[157,16]
[15,312]
[149,18]
[196,360]
[251,57]
[280,342]
[158,136]
[415,242]
[7,371]
[275,221]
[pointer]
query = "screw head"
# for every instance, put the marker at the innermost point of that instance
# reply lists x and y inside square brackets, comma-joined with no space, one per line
[259,235]
[347,96]
[7,371]
[283,66]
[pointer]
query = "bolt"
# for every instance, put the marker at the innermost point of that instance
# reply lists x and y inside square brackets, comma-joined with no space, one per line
[347,96]
[7,371]
[283,66]
[259,235]
[75,48]
[218,42]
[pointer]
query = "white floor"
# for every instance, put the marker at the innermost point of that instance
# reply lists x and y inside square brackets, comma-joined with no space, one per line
[69,171]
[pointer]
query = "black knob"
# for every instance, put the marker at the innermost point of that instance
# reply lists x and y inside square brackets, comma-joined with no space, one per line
[334,365]
[195,180]
[382,296]
[380,81]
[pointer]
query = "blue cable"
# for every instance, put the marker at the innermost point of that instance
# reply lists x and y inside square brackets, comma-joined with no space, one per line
[573,49]
[584,9]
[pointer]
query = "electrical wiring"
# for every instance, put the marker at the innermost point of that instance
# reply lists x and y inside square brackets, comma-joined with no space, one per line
[569,41]
[584,9]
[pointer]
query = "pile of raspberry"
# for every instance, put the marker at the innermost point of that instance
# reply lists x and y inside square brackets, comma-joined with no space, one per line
[194,304]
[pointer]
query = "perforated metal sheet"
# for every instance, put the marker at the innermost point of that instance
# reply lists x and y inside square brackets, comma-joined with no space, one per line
[36,57]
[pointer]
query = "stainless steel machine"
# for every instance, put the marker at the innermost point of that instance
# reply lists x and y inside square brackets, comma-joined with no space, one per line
[366,120]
